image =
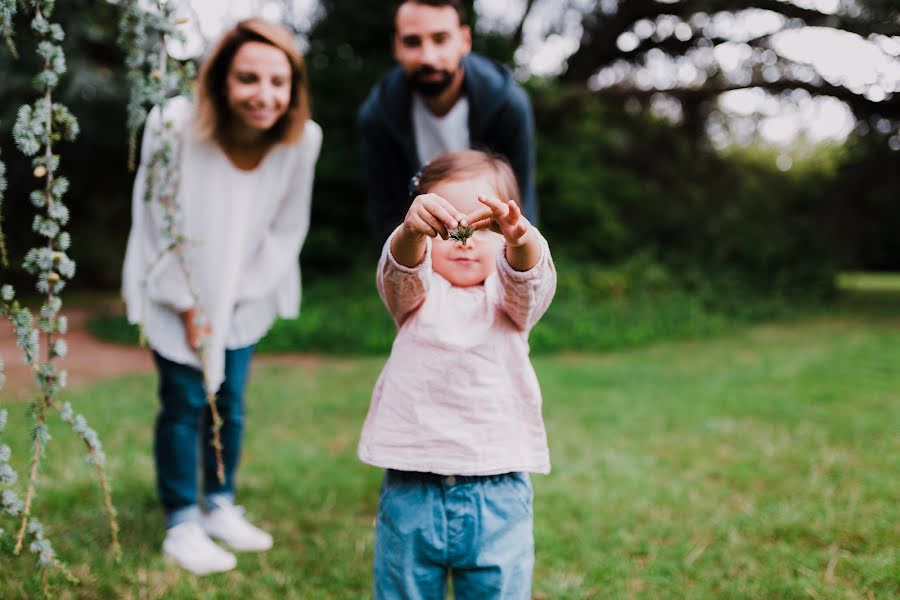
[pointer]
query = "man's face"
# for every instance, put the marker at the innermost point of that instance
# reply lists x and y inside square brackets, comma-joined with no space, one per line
[429,44]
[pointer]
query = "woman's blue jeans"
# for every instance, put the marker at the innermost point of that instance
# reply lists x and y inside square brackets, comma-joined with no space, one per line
[183,434]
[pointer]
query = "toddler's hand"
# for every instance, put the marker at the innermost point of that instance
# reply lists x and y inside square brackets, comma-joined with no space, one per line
[431,215]
[503,217]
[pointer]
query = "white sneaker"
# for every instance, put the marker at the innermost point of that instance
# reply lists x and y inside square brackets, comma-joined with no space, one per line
[227,523]
[189,546]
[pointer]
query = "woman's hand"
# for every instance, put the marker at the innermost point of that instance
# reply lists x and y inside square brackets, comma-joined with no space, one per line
[196,327]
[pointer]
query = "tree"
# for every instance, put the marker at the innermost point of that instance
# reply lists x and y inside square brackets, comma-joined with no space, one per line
[627,35]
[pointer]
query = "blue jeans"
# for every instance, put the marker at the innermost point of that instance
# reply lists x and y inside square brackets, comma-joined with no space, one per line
[477,530]
[184,423]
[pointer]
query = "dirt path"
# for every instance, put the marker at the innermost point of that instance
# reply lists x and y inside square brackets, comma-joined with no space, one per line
[90,359]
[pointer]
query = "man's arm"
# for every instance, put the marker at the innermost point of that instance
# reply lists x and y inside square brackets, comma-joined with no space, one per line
[383,171]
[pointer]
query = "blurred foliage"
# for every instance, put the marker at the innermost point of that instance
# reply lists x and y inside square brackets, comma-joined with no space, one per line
[596,308]
[96,164]
[615,186]
[348,50]
[865,205]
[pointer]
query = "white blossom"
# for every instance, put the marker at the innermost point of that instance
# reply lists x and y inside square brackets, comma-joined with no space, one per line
[11,502]
[8,475]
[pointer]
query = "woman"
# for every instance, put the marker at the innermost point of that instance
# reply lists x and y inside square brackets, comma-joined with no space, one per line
[246,153]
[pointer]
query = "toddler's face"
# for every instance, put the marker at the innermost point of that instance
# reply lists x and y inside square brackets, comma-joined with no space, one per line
[468,265]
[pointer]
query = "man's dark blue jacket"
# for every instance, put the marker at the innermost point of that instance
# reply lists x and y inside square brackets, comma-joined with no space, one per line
[500,120]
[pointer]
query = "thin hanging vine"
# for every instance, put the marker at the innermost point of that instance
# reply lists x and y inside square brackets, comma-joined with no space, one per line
[155,78]
[38,127]
[7,12]
[4,258]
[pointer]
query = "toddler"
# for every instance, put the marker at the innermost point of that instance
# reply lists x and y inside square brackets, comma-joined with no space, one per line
[455,417]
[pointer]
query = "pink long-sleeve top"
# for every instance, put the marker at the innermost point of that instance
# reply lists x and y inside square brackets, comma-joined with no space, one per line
[458,395]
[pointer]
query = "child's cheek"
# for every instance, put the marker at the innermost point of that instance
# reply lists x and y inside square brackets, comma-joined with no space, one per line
[492,243]
[440,259]
[490,265]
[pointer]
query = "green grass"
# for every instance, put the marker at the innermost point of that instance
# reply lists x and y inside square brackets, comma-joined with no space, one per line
[594,310]
[760,464]
[869,281]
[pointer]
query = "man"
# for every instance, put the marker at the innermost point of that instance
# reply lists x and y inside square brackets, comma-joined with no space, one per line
[440,98]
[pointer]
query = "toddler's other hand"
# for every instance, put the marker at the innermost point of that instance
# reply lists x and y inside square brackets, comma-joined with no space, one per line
[503,217]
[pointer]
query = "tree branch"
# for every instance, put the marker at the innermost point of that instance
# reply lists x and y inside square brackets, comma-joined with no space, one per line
[598,46]
[675,47]
[598,41]
[860,105]
[876,23]
[520,29]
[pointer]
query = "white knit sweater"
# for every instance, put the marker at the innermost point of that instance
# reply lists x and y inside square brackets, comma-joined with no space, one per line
[245,231]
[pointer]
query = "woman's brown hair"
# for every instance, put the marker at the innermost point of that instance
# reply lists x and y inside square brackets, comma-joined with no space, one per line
[213,114]
[466,163]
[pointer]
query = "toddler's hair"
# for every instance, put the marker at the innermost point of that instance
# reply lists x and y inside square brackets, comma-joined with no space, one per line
[469,163]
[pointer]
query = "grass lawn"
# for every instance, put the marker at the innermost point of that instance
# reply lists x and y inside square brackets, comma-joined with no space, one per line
[764,463]
[886,282]
[595,310]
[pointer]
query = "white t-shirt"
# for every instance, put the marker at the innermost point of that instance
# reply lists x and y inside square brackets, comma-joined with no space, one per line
[439,135]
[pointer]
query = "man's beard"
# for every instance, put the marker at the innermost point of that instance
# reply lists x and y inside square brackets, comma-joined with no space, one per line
[431,88]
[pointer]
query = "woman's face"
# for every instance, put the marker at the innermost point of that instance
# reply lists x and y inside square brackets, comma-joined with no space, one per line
[468,265]
[258,86]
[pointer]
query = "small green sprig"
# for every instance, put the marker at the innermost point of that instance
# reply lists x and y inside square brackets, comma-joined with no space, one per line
[462,233]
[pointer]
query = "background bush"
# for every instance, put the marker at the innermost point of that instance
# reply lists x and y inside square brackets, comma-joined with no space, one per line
[615,187]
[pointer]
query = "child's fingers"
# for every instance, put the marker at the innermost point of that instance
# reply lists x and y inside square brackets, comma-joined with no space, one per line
[498,208]
[447,212]
[514,213]
[519,230]
[419,225]
[431,209]
[444,214]
[479,214]
[433,222]
[441,209]
[482,224]
[452,214]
